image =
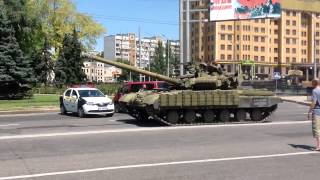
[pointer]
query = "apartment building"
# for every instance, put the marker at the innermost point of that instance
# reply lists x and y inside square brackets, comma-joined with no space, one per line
[268,45]
[127,46]
[100,72]
[121,46]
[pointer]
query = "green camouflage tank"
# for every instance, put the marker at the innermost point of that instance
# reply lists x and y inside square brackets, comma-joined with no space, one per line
[206,94]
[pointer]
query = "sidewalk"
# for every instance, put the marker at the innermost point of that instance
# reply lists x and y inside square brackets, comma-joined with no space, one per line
[303,100]
[32,110]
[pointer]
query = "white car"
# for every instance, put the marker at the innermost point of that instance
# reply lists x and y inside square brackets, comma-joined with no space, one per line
[85,101]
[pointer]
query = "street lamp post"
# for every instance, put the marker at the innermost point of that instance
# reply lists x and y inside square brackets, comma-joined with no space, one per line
[314,47]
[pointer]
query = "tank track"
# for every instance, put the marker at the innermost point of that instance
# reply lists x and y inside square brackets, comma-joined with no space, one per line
[265,119]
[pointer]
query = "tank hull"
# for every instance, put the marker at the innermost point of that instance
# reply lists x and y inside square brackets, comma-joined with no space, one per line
[187,106]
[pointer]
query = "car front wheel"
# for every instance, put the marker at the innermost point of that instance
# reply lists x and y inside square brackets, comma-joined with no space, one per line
[62,109]
[81,113]
[109,115]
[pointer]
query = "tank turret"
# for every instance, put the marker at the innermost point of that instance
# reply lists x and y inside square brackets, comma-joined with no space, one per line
[199,77]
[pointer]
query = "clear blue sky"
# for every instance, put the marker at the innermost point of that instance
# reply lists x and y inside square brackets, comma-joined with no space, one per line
[155,17]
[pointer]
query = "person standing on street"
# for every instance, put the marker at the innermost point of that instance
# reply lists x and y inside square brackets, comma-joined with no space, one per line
[314,111]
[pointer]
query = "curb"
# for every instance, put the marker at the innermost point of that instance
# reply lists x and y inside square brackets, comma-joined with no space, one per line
[29,111]
[297,102]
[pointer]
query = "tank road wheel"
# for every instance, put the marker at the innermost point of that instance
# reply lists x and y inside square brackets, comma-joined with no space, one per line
[208,116]
[173,117]
[189,116]
[224,116]
[256,115]
[241,115]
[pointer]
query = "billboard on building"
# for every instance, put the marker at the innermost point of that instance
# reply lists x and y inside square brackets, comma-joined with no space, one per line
[221,10]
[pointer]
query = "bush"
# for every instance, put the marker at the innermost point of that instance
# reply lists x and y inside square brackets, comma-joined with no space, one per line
[106,88]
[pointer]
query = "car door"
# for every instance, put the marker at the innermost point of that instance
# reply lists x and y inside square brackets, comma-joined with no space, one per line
[66,100]
[74,101]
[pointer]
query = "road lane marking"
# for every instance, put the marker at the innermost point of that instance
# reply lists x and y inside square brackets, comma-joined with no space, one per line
[6,125]
[144,130]
[156,165]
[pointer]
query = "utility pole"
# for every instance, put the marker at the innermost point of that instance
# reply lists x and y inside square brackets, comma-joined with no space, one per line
[168,57]
[140,55]
[181,36]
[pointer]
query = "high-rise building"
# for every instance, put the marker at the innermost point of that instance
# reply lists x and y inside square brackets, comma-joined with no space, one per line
[127,47]
[268,45]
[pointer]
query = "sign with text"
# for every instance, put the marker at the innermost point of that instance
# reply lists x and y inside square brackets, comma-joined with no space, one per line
[221,10]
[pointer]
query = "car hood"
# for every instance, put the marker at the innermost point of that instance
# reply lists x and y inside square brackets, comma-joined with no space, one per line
[97,100]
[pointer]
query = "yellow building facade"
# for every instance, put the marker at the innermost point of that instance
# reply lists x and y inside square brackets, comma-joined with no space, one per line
[290,42]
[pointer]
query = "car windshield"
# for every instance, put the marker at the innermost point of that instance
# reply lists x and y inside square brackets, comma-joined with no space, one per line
[90,93]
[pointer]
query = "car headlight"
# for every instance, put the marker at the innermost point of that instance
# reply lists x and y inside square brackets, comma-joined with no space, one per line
[90,103]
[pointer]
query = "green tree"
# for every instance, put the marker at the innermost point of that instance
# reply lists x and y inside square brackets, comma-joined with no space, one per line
[158,64]
[68,68]
[43,64]
[27,27]
[125,75]
[59,17]
[15,71]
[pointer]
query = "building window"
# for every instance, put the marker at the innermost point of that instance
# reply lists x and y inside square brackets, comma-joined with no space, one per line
[287,41]
[229,27]
[256,48]
[229,47]
[294,50]
[223,37]
[288,32]
[263,21]
[222,47]
[275,59]
[294,60]
[317,25]
[238,27]
[294,32]
[288,13]
[256,38]
[262,49]
[256,29]
[238,47]
[294,41]
[317,33]
[223,27]
[276,41]
[287,60]
[263,39]
[222,56]
[262,58]
[256,58]
[238,38]
[229,57]
[294,23]
[276,31]
[287,50]
[263,30]
[288,22]
[229,37]
[275,50]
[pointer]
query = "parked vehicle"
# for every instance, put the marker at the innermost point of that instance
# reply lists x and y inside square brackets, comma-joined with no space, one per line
[85,101]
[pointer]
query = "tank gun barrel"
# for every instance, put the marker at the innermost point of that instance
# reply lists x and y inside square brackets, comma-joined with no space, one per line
[132,68]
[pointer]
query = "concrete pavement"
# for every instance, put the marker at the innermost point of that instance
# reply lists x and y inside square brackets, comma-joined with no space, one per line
[129,150]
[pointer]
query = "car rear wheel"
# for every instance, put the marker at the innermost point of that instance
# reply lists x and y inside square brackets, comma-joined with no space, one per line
[81,113]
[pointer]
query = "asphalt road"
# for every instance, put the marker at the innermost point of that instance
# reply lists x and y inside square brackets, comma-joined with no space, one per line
[51,146]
